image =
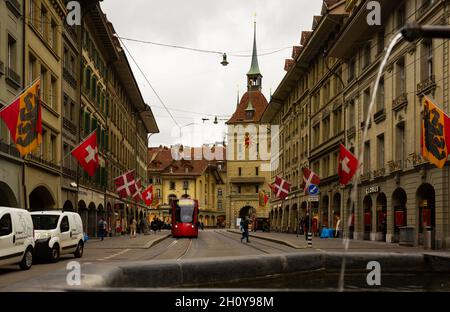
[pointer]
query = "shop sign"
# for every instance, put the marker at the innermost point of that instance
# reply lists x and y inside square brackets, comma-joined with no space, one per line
[372,189]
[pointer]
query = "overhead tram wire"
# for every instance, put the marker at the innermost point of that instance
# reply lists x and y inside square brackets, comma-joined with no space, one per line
[148,81]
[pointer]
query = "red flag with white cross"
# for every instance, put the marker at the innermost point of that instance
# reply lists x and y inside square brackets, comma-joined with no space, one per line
[281,188]
[309,177]
[147,195]
[137,196]
[348,165]
[126,184]
[87,154]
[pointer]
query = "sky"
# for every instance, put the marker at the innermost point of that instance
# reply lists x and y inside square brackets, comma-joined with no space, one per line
[194,85]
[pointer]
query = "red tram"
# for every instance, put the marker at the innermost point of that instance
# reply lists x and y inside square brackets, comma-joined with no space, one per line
[185,218]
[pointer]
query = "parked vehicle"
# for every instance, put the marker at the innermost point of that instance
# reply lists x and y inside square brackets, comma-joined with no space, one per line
[58,233]
[16,237]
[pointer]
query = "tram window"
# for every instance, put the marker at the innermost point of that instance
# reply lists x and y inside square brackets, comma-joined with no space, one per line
[185,212]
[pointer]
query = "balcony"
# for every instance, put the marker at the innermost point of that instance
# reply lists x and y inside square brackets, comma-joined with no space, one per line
[41,160]
[399,102]
[416,159]
[67,75]
[67,124]
[379,173]
[379,116]
[351,132]
[67,172]
[9,149]
[365,176]
[427,86]
[395,166]
[13,78]
[14,7]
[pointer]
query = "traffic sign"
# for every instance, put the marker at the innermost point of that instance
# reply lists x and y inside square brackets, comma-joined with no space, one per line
[313,189]
[313,198]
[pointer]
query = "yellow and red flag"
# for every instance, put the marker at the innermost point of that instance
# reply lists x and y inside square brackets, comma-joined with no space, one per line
[435,138]
[23,119]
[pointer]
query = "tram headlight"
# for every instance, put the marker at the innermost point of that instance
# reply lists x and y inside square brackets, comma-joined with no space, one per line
[192,226]
[176,226]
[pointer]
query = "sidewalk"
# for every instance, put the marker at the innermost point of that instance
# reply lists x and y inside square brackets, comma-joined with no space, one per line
[333,244]
[122,242]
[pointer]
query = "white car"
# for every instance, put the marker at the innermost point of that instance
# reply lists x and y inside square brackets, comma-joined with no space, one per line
[58,233]
[16,237]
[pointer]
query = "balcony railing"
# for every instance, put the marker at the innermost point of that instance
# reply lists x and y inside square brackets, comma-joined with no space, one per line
[399,102]
[351,132]
[43,161]
[15,7]
[416,159]
[69,173]
[67,75]
[67,124]
[13,77]
[9,149]
[379,116]
[365,176]
[426,86]
[395,165]
[379,173]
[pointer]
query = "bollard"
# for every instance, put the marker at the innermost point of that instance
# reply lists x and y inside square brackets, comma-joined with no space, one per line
[309,240]
[427,238]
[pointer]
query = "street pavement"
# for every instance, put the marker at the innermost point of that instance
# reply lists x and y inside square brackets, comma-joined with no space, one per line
[210,243]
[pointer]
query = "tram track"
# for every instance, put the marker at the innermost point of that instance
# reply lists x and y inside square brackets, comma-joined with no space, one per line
[250,245]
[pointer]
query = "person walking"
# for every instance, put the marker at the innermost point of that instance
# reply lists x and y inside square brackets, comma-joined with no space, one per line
[102,228]
[133,224]
[244,226]
[338,224]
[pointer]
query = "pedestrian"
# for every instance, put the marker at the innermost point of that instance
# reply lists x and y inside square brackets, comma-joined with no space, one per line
[102,228]
[244,226]
[154,225]
[133,224]
[338,224]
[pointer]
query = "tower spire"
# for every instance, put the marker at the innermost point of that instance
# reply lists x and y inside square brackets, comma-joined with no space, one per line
[254,76]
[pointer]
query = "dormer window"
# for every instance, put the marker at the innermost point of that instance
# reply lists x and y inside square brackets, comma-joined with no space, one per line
[249,111]
[171,169]
[186,170]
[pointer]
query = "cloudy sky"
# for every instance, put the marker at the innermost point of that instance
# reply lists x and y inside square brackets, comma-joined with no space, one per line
[195,85]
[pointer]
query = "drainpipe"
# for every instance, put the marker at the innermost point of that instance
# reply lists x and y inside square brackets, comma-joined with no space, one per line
[25,199]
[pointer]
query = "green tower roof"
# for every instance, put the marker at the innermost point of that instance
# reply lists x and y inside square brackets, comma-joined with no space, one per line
[254,69]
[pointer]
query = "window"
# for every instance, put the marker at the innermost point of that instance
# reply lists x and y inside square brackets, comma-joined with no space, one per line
[366,55]
[367,157]
[380,41]
[316,135]
[150,181]
[53,148]
[43,20]
[326,166]
[12,58]
[64,226]
[352,69]
[172,185]
[53,94]
[337,121]
[427,60]
[158,193]
[32,9]
[219,192]
[326,128]
[249,114]
[400,142]
[219,205]
[185,185]
[43,84]
[239,171]
[256,188]
[256,171]
[380,95]
[66,105]
[53,34]
[351,114]
[239,189]
[401,77]
[31,68]
[400,17]
[5,225]
[380,151]
[366,103]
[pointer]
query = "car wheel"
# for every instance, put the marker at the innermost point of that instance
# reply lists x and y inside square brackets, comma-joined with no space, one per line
[80,249]
[54,255]
[27,260]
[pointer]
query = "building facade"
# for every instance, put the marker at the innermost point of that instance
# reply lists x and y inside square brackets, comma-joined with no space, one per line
[188,176]
[328,87]
[11,82]
[248,171]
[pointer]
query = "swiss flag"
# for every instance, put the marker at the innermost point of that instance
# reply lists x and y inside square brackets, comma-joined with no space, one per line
[147,195]
[87,154]
[309,177]
[348,164]
[281,188]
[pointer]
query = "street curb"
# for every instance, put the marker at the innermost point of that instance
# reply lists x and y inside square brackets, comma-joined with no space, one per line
[270,239]
[156,241]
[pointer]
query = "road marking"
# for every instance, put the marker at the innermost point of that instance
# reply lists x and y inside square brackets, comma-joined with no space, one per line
[114,255]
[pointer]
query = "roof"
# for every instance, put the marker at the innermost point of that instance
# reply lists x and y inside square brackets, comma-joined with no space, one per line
[259,103]
[161,161]
[254,68]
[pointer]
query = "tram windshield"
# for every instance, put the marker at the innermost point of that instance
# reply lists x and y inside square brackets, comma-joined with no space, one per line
[184,211]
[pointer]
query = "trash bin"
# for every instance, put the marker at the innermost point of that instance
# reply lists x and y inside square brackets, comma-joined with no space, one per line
[407,236]
[427,237]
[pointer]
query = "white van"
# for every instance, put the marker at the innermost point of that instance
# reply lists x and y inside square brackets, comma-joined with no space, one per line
[57,233]
[16,237]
